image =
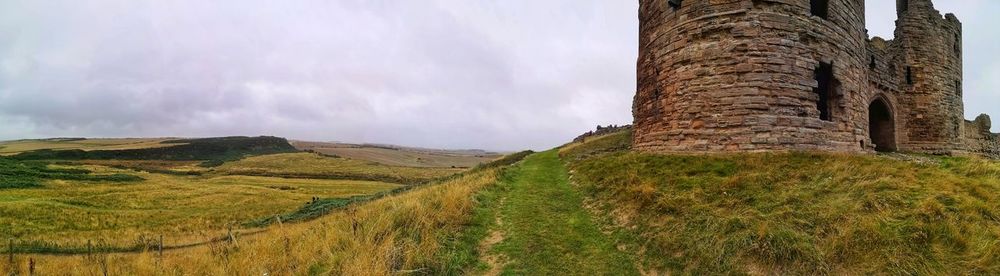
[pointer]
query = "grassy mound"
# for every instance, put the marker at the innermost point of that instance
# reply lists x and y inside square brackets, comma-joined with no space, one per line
[801,213]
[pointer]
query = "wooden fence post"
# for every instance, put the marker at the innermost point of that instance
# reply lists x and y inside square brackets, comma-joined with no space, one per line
[10,253]
[90,251]
[159,248]
[31,266]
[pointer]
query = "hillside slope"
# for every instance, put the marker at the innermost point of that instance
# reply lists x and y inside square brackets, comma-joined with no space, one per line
[796,213]
[412,230]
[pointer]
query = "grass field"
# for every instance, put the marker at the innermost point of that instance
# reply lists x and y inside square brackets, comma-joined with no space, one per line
[402,157]
[545,230]
[15,147]
[401,234]
[61,207]
[183,208]
[311,165]
[797,213]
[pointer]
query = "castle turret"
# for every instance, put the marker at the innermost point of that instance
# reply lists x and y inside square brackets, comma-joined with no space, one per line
[743,75]
[747,75]
[931,78]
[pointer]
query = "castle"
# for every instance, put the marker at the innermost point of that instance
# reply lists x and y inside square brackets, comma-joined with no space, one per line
[757,75]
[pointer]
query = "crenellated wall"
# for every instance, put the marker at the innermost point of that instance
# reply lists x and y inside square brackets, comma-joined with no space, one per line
[755,75]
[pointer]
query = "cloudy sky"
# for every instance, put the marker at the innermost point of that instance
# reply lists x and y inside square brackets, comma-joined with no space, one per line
[501,75]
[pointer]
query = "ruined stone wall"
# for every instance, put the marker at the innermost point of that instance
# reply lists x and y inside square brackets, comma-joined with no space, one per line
[885,82]
[978,139]
[739,75]
[930,64]
[745,75]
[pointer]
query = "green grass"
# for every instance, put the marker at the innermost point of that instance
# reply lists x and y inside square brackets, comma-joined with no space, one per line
[323,206]
[19,175]
[547,230]
[801,213]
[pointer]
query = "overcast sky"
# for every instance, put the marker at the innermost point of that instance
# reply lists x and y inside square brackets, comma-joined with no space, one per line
[500,75]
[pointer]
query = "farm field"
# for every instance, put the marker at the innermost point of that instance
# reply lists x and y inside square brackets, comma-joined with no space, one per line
[402,156]
[15,147]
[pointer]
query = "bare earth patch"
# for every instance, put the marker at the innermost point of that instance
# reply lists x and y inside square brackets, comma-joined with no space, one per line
[496,236]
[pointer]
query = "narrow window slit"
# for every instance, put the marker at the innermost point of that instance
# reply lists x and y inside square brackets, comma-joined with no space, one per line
[958,45]
[909,75]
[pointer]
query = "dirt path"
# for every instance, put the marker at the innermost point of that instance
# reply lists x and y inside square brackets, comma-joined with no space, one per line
[546,230]
[496,261]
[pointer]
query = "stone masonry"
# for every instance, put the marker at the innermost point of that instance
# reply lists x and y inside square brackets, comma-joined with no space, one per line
[757,75]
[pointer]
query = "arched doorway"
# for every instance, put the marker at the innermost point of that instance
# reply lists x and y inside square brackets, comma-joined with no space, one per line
[881,127]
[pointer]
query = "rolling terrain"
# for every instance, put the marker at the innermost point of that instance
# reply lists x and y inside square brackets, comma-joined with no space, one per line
[590,207]
[409,230]
[67,196]
[402,156]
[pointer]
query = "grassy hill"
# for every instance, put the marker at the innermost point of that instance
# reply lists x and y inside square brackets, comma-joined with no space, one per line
[213,150]
[795,213]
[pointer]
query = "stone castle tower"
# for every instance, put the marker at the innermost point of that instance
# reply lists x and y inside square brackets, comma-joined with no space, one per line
[752,75]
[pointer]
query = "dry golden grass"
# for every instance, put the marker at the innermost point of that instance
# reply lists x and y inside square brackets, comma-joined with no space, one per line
[311,165]
[403,157]
[161,166]
[401,233]
[182,208]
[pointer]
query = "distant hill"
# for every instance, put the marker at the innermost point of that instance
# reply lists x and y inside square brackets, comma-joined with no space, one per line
[19,146]
[202,149]
[394,155]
